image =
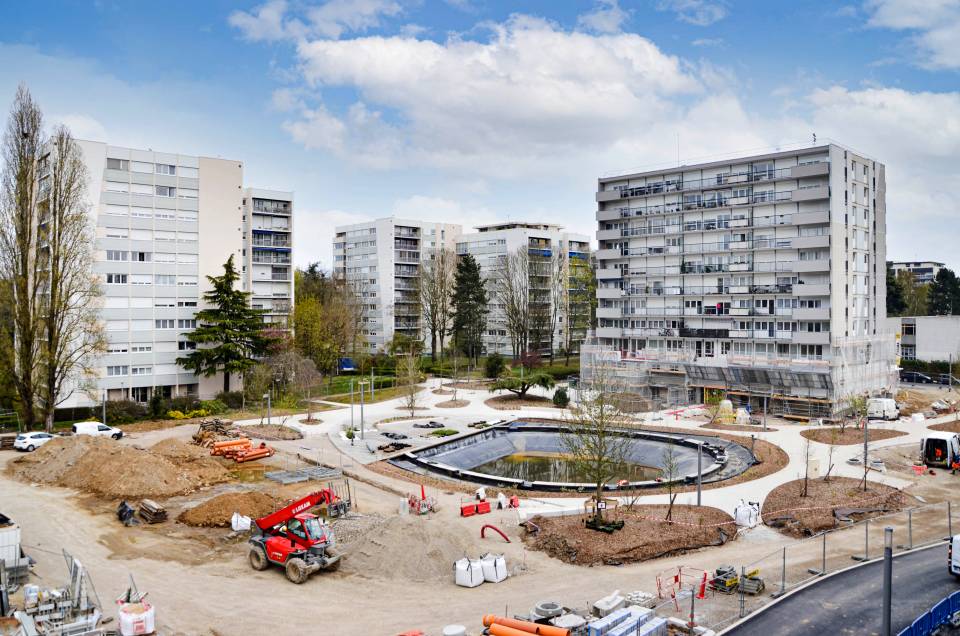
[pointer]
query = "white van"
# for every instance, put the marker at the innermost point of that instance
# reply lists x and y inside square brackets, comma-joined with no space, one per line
[96,429]
[953,555]
[882,409]
[940,449]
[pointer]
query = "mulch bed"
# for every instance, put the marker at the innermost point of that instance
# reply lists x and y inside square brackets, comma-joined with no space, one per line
[742,428]
[471,385]
[787,510]
[452,404]
[645,534]
[850,435]
[949,427]
[442,392]
[510,402]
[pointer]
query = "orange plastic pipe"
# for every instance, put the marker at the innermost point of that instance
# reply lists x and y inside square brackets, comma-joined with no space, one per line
[526,627]
[502,630]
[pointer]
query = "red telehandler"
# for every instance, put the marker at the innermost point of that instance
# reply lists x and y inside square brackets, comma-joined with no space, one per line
[297,540]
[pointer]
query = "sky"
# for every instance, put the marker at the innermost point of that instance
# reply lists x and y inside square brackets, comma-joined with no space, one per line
[470,112]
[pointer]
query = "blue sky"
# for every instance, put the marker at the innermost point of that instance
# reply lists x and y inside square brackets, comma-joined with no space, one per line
[472,111]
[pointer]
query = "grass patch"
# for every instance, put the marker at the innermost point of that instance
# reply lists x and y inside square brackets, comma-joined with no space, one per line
[443,432]
[382,395]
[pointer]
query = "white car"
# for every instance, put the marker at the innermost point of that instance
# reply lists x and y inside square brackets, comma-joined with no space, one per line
[31,441]
[97,430]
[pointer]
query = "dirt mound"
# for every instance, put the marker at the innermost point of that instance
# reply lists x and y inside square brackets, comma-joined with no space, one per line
[174,449]
[108,468]
[271,432]
[407,548]
[216,512]
[645,535]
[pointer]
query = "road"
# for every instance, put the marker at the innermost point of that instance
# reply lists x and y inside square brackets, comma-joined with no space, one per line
[850,602]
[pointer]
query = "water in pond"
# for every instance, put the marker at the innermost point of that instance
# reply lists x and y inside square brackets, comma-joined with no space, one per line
[555,467]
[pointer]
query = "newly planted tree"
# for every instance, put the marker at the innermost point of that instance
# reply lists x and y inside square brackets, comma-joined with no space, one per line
[519,386]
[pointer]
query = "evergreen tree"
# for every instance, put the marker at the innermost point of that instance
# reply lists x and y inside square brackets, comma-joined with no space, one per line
[944,296]
[895,302]
[469,306]
[232,330]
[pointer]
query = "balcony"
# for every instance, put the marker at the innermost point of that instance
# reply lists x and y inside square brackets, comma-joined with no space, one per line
[609,312]
[609,332]
[812,337]
[813,169]
[815,265]
[609,273]
[805,242]
[815,313]
[811,290]
[704,333]
[811,218]
[811,193]
[609,292]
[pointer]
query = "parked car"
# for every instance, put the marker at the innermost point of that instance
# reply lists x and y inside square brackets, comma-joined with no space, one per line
[915,377]
[97,430]
[946,378]
[30,442]
[882,409]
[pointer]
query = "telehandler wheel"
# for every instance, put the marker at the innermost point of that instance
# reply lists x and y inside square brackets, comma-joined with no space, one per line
[296,570]
[258,559]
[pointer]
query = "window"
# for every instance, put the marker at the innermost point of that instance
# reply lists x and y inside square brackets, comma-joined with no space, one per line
[188,323]
[116,279]
[113,349]
[141,279]
[143,213]
[187,281]
[117,210]
[166,191]
[141,188]
[116,255]
[117,232]
[142,166]
[165,323]
[141,347]
[186,345]
[187,193]
[186,258]
[164,257]
[140,325]
[117,186]
[141,235]
[140,257]
[193,173]
[185,215]
[186,303]
[166,215]
[141,370]
[118,164]
[165,235]
[114,371]
[164,302]
[909,329]
[165,168]
[116,302]
[187,237]
[165,279]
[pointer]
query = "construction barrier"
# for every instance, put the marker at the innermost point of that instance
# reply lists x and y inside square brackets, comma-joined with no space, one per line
[939,615]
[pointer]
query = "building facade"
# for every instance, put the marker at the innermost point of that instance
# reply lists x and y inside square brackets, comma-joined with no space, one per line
[163,223]
[923,271]
[268,253]
[761,277]
[382,260]
[491,245]
[929,338]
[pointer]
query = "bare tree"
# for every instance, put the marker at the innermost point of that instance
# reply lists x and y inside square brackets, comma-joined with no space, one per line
[806,467]
[436,295]
[23,144]
[512,292]
[559,294]
[73,335]
[596,446]
[671,470]
[409,377]
[831,448]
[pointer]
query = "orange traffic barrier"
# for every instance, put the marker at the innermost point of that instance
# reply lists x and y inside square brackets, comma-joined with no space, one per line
[521,627]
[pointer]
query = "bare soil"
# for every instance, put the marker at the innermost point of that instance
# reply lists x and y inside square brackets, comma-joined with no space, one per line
[472,385]
[645,535]
[452,404]
[918,399]
[442,392]
[110,469]
[949,427]
[795,515]
[271,432]
[741,428]
[850,435]
[217,512]
[510,401]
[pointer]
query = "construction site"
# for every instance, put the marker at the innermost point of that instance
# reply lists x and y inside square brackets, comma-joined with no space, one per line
[222,527]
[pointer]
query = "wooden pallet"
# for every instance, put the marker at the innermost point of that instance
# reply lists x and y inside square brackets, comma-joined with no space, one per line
[152,512]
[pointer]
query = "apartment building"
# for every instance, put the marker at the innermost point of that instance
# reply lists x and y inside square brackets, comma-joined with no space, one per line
[164,222]
[268,252]
[762,277]
[383,260]
[923,271]
[928,338]
[491,245]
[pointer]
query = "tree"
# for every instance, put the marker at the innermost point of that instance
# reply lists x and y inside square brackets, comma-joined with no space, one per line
[594,444]
[895,302]
[327,317]
[512,293]
[469,306]
[944,295]
[232,329]
[494,365]
[581,304]
[806,468]
[914,294]
[20,270]
[519,385]
[72,333]
[408,375]
[559,294]
[671,470]
[436,296]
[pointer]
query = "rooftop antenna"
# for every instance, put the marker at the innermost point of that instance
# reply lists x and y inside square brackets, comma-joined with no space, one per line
[814,139]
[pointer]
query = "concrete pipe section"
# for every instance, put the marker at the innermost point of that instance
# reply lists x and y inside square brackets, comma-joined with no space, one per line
[534,456]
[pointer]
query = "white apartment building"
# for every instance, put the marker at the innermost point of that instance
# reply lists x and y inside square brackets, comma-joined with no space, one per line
[382,259]
[163,223]
[491,244]
[268,252]
[923,271]
[761,277]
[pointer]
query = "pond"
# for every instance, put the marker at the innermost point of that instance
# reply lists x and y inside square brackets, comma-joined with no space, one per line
[557,467]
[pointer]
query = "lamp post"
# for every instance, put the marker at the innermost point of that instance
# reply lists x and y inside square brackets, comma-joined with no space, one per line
[887,579]
[362,383]
[266,396]
[699,470]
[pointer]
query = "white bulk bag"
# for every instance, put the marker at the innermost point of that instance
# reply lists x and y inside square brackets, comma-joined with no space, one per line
[136,619]
[468,572]
[746,515]
[239,522]
[494,567]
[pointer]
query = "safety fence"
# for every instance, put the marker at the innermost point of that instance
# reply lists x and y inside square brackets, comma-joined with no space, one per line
[946,612]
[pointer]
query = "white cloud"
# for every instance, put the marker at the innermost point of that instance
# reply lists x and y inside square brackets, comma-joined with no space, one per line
[708,42]
[935,25]
[698,12]
[607,17]
[81,126]
[273,21]
[264,23]
[442,210]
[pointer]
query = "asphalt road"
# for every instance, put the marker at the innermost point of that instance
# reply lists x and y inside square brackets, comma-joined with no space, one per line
[850,603]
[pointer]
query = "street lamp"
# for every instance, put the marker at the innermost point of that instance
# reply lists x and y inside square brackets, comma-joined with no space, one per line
[887,579]
[699,470]
[266,396]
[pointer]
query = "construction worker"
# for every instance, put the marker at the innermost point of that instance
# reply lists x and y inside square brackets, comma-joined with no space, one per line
[955,466]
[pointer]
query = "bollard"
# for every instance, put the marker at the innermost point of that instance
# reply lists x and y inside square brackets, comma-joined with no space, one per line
[783,572]
[823,567]
[910,528]
[743,575]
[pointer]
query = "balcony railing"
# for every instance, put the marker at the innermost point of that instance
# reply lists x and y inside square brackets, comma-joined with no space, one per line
[720,180]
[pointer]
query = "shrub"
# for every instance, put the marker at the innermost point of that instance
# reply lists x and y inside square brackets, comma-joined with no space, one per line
[233,399]
[183,403]
[561,372]
[560,397]
[494,365]
[124,411]
[158,405]
[180,415]
[213,407]
[443,432]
